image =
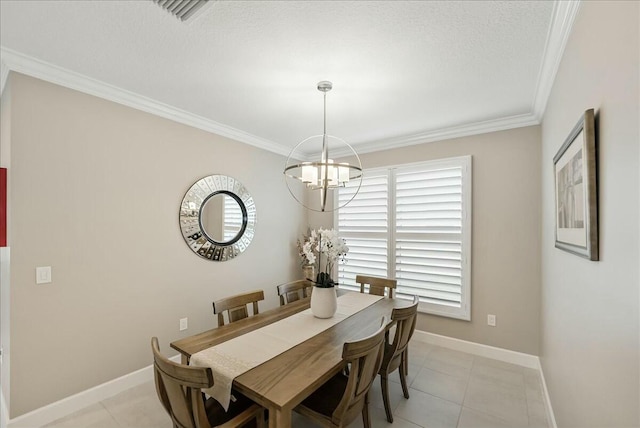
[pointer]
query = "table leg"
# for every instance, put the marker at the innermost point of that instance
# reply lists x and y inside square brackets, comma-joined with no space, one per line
[279,418]
[184,359]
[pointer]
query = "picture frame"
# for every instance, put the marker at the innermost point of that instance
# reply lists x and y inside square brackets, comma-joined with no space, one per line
[576,190]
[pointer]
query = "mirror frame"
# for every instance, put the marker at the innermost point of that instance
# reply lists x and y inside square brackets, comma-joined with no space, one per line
[191,223]
[243,209]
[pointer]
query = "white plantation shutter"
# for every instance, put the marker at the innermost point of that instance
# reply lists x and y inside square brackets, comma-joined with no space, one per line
[428,228]
[431,218]
[232,218]
[364,225]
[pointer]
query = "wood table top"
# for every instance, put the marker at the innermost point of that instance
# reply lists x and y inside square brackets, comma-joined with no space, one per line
[192,344]
[284,381]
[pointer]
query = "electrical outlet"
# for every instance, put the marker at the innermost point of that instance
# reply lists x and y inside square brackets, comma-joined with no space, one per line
[184,323]
[43,275]
[491,320]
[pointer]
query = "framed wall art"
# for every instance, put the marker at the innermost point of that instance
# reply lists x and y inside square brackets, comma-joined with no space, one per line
[576,190]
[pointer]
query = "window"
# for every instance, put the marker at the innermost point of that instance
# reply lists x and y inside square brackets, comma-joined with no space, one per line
[413,223]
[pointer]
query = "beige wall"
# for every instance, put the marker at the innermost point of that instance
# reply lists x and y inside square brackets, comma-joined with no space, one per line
[96,188]
[505,268]
[95,193]
[590,310]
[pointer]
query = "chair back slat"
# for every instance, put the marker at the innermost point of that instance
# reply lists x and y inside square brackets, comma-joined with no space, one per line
[236,306]
[179,389]
[236,314]
[365,357]
[293,291]
[405,322]
[377,285]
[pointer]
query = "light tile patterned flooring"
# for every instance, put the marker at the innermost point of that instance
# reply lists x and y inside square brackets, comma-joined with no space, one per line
[447,389]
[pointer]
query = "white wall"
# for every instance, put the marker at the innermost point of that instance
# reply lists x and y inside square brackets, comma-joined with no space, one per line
[95,193]
[590,310]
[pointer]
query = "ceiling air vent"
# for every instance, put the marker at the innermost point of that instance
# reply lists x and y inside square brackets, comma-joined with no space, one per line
[183,9]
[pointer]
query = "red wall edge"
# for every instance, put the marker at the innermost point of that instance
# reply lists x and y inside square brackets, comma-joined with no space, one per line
[3,207]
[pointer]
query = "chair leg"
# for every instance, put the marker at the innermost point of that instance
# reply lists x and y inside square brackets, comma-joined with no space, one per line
[261,418]
[406,361]
[366,419]
[403,377]
[385,397]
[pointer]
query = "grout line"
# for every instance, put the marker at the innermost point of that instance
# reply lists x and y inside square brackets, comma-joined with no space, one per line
[466,389]
[405,420]
[111,414]
[460,413]
[491,415]
[526,398]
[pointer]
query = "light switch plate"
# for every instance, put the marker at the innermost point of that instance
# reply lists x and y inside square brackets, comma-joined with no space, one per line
[491,320]
[43,275]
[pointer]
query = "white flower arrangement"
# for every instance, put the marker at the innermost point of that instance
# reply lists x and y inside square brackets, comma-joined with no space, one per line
[323,244]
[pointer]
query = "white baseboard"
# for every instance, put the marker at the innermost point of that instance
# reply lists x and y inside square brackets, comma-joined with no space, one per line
[505,355]
[500,354]
[547,400]
[4,412]
[73,403]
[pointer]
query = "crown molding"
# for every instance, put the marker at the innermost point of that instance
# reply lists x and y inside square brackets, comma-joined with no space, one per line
[563,16]
[33,67]
[448,133]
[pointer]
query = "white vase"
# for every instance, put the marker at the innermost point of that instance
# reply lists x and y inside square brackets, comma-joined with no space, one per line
[324,302]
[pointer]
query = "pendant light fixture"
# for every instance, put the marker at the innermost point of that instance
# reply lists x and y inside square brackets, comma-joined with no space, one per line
[323,174]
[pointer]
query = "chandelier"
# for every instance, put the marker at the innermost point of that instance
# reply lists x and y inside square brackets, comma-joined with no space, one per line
[322,175]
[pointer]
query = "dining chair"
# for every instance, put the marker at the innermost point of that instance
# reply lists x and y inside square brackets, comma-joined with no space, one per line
[396,351]
[179,389]
[236,306]
[292,291]
[377,285]
[342,398]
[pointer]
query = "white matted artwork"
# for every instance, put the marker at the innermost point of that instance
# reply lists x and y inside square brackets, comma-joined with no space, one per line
[576,190]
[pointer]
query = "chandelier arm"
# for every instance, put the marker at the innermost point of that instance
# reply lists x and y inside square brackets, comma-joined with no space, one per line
[324,128]
[315,175]
[325,156]
[325,179]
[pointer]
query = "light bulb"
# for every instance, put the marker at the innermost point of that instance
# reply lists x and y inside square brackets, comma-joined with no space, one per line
[309,173]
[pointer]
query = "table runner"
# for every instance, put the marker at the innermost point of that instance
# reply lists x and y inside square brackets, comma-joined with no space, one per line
[239,355]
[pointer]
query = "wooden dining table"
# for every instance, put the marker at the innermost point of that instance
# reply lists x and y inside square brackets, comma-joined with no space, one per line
[283,382]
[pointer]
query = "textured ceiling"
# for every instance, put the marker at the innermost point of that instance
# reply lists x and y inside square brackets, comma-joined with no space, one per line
[399,68]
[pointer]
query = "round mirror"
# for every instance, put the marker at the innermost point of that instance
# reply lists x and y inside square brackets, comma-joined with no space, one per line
[222,218]
[217,217]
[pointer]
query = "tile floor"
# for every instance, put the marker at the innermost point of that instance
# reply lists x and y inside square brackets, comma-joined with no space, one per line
[447,388]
